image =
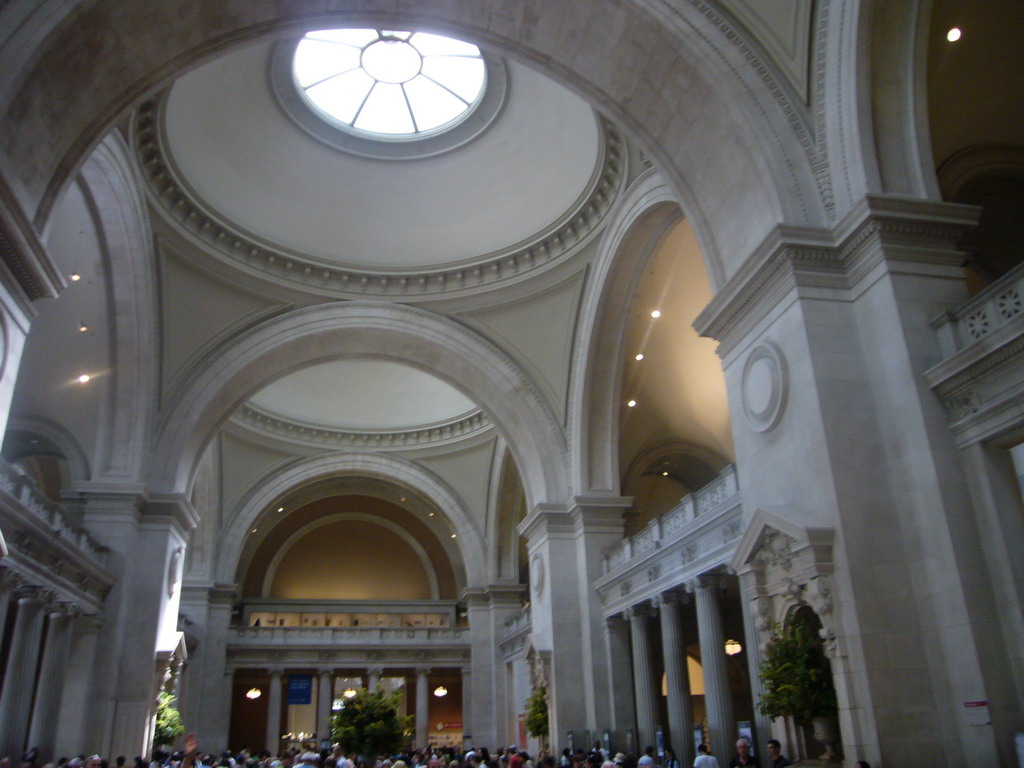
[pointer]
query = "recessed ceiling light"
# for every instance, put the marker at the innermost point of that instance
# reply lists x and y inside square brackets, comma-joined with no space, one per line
[631,403]
[82,327]
[254,530]
[639,356]
[656,314]
[664,474]
[75,277]
[455,536]
[402,499]
[430,514]
[280,509]
[85,377]
[954,34]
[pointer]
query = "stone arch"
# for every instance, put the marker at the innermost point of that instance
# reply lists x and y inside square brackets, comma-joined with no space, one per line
[506,512]
[118,205]
[464,553]
[218,384]
[78,461]
[747,150]
[647,213]
[668,449]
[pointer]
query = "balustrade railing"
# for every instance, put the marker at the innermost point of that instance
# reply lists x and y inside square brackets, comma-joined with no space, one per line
[22,489]
[349,635]
[996,306]
[707,500]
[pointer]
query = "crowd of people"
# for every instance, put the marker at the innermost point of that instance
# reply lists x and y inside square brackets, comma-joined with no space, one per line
[447,757]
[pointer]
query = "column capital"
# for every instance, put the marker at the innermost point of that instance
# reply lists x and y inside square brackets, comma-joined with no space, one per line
[640,611]
[377,670]
[325,671]
[706,581]
[672,596]
[274,672]
[10,578]
[33,592]
[424,670]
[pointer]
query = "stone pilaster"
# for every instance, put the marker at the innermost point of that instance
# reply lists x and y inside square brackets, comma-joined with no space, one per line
[73,735]
[752,617]
[620,680]
[467,702]
[677,675]
[717,696]
[274,694]
[644,690]
[19,681]
[422,705]
[324,700]
[50,687]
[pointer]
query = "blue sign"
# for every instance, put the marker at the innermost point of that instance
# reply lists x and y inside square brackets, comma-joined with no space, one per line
[300,689]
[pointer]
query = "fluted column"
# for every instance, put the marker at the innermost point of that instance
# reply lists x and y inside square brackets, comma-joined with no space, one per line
[422,705]
[620,678]
[752,616]
[467,702]
[717,696]
[274,712]
[9,581]
[677,676]
[19,682]
[325,698]
[373,675]
[643,674]
[50,688]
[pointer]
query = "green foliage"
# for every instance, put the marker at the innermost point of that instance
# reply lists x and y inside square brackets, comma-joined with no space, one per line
[370,725]
[797,675]
[168,720]
[537,712]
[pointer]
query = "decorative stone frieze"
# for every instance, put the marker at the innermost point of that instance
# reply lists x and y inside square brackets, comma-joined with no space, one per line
[231,246]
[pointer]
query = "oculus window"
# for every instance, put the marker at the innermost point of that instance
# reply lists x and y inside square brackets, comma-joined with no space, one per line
[386,93]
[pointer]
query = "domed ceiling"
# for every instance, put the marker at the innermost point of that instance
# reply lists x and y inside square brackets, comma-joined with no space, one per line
[243,158]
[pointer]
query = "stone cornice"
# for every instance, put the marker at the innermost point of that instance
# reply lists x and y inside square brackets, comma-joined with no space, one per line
[27,267]
[243,251]
[902,232]
[263,422]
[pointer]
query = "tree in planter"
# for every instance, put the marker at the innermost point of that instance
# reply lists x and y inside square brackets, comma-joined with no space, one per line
[797,678]
[370,725]
[168,720]
[537,713]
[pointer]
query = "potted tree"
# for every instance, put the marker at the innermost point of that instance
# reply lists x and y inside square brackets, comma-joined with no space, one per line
[797,680]
[537,714]
[370,725]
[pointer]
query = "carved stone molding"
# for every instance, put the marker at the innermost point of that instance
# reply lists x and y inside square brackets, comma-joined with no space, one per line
[244,251]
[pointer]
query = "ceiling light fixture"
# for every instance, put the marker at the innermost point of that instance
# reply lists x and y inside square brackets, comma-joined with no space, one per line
[440,691]
[455,535]
[75,277]
[84,378]
[639,356]
[253,693]
[656,314]
[664,474]
[82,327]
[631,403]
[732,647]
[430,514]
[280,509]
[350,693]
[954,34]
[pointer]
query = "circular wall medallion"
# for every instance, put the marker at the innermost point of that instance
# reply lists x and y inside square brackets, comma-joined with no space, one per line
[764,387]
[537,575]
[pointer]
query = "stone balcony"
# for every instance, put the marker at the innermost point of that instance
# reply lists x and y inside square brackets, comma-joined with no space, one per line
[697,535]
[981,377]
[47,548]
[351,646]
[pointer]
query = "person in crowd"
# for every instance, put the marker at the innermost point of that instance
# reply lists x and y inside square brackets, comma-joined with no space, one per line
[704,758]
[743,756]
[647,759]
[775,756]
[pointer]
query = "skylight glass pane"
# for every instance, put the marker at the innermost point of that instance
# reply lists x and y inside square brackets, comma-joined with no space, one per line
[432,104]
[341,96]
[463,76]
[356,37]
[316,60]
[385,111]
[435,45]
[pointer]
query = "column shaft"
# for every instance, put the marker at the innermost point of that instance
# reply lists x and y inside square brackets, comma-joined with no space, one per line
[467,703]
[373,676]
[274,713]
[8,581]
[643,676]
[677,678]
[43,728]
[620,680]
[19,682]
[325,698]
[717,696]
[422,706]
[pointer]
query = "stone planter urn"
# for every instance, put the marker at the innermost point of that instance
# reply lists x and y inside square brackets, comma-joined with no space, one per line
[826,731]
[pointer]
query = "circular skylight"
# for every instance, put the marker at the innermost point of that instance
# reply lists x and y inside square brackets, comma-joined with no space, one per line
[389,83]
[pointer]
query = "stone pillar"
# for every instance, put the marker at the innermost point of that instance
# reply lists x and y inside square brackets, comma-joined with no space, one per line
[422,705]
[373,676]
[19,682]
[325,699]
[677,676]
[467,703]
[620,680]
[205,702]
[50,688]
[717,696]
[73,736]
[752,618]
[643,674]
[274,712]
[9,580]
